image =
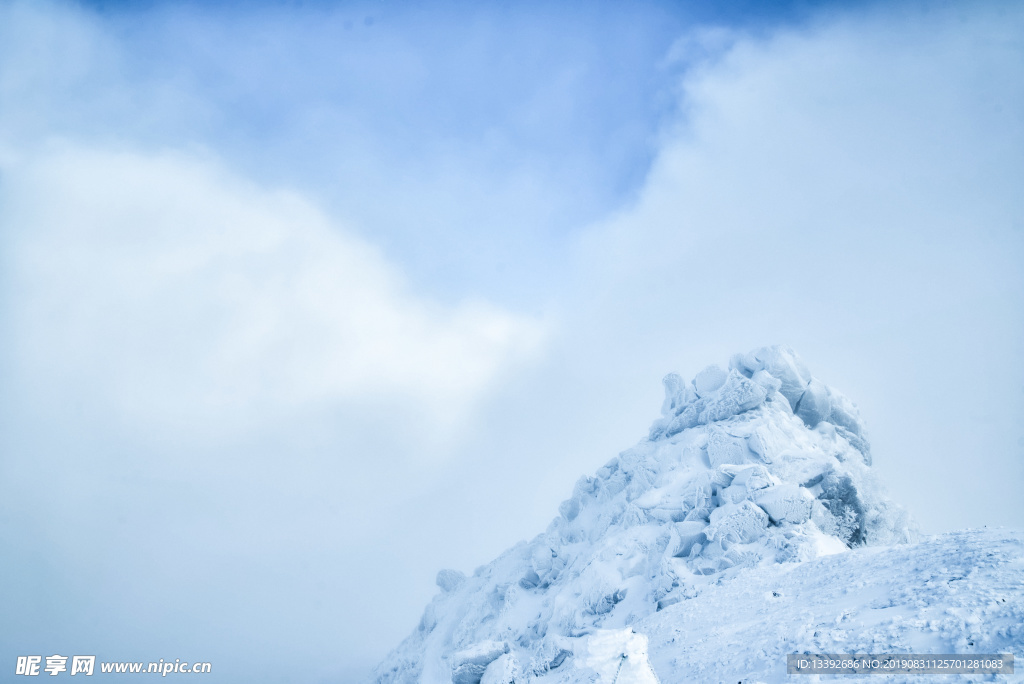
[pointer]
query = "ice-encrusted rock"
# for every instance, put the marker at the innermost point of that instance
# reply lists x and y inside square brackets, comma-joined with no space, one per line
[725,449]
[753,478]
[813,406]
[689,533]
[615,657]
[809,398]
[767,441]
[734,395]
[766,380]
[709,380]
[678,393]
[449,580]
[785,503]
[470,664]
[741,523]
[780,363]
[502,670]
[747,468]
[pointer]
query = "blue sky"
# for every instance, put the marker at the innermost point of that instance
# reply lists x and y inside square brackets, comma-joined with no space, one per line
[302,302]
[351,101]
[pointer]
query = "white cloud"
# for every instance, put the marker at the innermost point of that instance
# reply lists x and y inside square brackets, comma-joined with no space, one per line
[171,289]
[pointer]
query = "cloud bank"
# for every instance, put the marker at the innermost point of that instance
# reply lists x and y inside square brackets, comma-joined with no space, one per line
[181,295]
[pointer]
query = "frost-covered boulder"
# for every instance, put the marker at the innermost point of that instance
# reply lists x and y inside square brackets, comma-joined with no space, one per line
[615,657]
[753,478]
[689,533]
[781,363]
[741,523]
[779,369]
[785,503]
[719,396]
[449,580]
[709,380]
[502,670]
[726,449]
[747,468]
[469,665]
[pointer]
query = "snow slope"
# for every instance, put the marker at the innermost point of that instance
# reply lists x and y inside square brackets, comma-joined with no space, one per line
[746,526]
[954,593]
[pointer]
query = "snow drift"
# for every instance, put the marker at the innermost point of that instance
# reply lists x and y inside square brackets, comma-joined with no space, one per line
[753,477]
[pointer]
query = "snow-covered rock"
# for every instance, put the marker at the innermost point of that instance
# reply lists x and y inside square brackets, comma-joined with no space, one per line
[740,523]
[449,580]
[753,477]
[502,670]
[689,534]
[470,664]
[614,655]
[709,380]
[785,503]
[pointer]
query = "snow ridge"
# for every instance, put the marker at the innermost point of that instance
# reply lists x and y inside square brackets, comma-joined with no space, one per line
[756,467]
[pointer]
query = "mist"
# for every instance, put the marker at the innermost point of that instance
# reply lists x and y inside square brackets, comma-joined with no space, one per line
[301,304]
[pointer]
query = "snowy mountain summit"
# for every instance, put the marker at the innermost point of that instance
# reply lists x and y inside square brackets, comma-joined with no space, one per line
[754,479]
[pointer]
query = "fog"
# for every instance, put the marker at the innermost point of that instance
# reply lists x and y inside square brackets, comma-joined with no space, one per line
[301,303]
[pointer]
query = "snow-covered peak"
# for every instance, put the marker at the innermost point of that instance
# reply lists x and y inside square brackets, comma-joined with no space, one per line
[753,379]
[758,465]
